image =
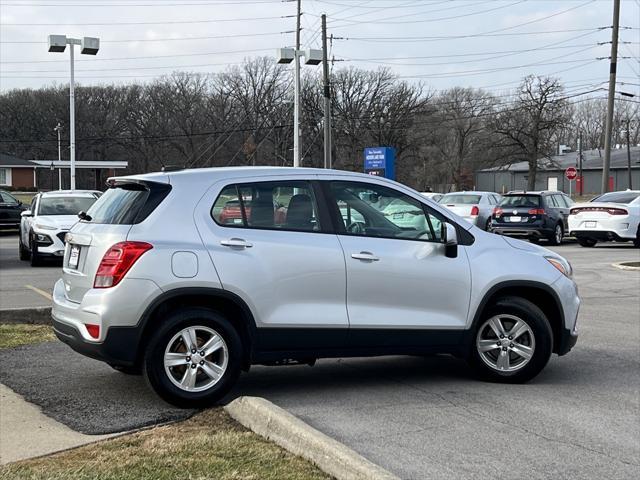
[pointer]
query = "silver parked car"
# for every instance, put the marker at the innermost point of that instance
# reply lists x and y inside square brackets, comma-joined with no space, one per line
[193,276]
[474,207]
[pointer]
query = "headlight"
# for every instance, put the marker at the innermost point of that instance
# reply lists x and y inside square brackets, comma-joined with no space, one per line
[42,226]
[561,264]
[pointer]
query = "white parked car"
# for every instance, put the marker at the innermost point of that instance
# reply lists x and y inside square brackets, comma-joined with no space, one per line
[432,195]
[48,219]
[475,207]
[613,216]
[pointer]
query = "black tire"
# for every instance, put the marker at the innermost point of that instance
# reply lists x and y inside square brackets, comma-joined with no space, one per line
[636,242]
[170,325]
[487,227]
[22,250]
[542,333]
[36,260]
[587,242]
[127,370]
[556,237]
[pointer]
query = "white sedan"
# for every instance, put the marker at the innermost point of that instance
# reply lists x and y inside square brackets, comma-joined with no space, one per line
[50,216]
[613,216]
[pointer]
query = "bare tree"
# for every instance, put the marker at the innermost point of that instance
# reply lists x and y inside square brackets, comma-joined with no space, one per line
[527,127]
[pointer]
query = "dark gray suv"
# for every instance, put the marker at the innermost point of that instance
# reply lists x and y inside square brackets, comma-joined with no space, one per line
[533,215]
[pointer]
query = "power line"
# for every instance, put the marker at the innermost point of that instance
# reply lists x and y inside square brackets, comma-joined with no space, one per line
[157,4]
[170,22]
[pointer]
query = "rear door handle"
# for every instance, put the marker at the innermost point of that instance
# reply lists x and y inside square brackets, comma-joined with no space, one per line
[365,256]
[236,243]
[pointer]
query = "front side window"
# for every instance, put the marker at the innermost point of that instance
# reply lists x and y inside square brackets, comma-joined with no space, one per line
[285,205]
[376,211]
[6,198]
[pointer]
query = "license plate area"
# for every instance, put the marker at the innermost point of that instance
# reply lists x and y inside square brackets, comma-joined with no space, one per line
[514,219]
[590,224]
[74,256]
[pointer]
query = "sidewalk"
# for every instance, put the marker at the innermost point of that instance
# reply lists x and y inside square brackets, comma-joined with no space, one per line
[26,432]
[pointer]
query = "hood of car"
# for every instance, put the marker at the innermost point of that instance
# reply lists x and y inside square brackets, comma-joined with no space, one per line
[527,246]
[60,222]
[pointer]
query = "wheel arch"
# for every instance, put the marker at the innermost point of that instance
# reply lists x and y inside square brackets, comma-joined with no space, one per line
[222,301]
[540,294]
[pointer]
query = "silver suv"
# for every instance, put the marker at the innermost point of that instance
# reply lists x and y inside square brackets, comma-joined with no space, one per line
[193,276]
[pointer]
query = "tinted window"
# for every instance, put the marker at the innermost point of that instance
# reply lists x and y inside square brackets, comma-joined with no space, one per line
[64,205]
[520,201]
[457,199]
[268,205]
[617,197]
[552,202]
[376,211]
[127,204]
[6,198]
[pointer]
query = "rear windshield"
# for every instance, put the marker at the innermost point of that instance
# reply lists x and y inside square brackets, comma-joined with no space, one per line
[460,199]
[617,197]
[128,203]
[521,201]
[64,205]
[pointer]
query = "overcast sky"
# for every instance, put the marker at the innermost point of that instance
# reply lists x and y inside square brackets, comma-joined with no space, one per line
[443,43]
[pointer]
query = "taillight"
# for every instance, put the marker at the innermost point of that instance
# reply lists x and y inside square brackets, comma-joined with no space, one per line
[497,212]
[574,211]
[117,262]
[617,211]
[475,211]
[537,211]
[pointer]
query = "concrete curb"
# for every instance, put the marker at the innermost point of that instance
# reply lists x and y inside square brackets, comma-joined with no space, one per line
[39,315]
[291,433]
[622,266]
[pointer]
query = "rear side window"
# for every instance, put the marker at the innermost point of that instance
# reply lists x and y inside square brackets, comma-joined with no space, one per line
[128,203]
[617,197]
[521,201]
[286,205]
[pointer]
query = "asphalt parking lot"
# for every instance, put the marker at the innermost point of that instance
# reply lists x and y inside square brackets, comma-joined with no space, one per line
[417,417]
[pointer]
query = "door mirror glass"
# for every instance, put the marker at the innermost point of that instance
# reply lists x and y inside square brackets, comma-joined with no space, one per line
[26,213]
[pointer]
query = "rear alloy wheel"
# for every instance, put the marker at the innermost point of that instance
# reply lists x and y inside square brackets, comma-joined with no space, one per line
[587,242]
[513,342]
[558,234]
[194,359]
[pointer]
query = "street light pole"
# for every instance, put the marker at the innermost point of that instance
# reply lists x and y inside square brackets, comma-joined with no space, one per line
[89,46]
[57,129]
[296,93]
[327,96]
[629,153]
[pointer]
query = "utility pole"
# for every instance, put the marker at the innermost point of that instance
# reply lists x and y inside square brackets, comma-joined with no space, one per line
[296,100]
[612,93]
[57,129]
[327,96]
[629,153]
[580,163]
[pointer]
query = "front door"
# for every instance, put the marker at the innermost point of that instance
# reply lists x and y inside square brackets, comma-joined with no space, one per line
[398,277]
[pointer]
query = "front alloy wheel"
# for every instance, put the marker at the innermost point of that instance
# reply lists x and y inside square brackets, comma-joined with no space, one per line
[505,343]
[513,341]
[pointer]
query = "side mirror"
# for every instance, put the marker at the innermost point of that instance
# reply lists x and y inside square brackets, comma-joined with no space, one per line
[449,236]
[26,213]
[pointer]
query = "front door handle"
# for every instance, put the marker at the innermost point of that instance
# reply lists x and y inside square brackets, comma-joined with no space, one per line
[365,256]
[236,243]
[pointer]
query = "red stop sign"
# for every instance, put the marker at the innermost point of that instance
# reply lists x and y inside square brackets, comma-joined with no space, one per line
[571,173]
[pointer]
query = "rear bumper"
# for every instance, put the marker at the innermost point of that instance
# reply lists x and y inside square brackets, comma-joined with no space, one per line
[522,231]
[601,235]
[118,348]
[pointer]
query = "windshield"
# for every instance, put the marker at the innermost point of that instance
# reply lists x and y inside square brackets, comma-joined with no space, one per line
[521,201]
[64,205]
[617,197]
[458,199]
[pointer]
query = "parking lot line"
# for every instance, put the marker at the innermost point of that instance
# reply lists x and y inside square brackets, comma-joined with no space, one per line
[46,295]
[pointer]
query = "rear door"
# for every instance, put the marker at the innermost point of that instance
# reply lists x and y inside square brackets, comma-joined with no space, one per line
[278,254]
[564,208]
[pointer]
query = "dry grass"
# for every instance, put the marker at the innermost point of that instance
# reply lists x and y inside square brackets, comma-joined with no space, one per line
[14,335]
[210,445]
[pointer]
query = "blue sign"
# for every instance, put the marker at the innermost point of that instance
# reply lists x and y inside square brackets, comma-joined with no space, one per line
[380,161]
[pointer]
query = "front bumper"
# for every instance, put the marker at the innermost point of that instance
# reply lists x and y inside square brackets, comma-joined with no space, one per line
[53,246]
[567,291]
